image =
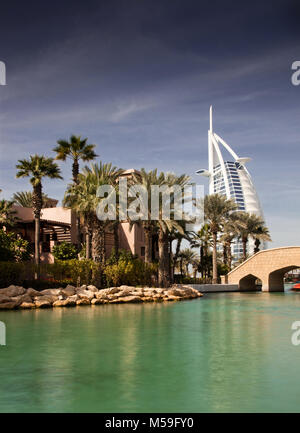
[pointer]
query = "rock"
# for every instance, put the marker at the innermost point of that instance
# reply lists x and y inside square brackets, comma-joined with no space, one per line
[64,303]
[51,292]
[172,298]
[146,299]
[8,305]
[22,298]
[96,301]
[86,294]
[27,305]
[83,287]
[12,291]
[32,292]
[48,298]
[83,301]
[68,291]
[113,290]
[92,288]
[126,299]
[42,303]
[102,296]
[4,298]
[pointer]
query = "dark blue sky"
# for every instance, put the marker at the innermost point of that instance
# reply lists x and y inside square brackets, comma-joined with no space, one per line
[137,78]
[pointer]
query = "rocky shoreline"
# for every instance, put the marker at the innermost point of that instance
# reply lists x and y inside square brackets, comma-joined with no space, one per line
[16,297]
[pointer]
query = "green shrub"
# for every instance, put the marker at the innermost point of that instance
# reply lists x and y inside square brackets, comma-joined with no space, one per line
[129,270]
[16,273]
[64,251]
[13,248]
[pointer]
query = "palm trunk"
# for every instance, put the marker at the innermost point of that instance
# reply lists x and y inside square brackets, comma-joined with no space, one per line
[37,246]
[116,238]
[244,241]
[163,266]
[257,244]
[177,251]
[98,241]
[214,259]
[75,173]
[37,202]
[87,245]
[229,255]
[148,243]
[225,257]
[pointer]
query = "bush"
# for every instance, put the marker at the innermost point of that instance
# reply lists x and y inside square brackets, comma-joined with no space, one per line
[13,248]
[64,251]
[16,273]
[129,270]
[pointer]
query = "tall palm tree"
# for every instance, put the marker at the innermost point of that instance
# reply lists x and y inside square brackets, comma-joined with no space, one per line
[216,210]
[76,149]
[167,226]
[24,199]
[251,225]
[37,167]
[7,214]
[83,198]
[230,231]
[147,179]
[262,234]
[203,240]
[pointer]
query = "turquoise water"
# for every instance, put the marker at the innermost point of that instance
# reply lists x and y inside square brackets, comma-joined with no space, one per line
[222,352]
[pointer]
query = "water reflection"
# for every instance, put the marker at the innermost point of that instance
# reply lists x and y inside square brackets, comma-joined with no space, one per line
[223,352]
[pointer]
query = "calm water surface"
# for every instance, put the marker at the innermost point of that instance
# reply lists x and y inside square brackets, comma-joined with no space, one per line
[223,352]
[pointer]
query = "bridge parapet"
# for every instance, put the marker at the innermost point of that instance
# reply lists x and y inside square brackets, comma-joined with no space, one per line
[269,266]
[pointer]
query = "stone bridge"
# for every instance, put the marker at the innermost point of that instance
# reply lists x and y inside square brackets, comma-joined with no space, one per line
[269,266]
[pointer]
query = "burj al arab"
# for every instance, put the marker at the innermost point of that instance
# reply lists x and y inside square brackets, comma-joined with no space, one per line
[229,176]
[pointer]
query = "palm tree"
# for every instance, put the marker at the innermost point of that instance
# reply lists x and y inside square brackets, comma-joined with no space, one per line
[187,257]
[167,226]
[147,179]
[230,230]
[7,214]
[216,210]
[203,240]
[77,149]
[82,197]
[262,234]
[37,167]
[24,199]
[251,225]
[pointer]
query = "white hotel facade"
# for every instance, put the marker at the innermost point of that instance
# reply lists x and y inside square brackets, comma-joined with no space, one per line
[231,178]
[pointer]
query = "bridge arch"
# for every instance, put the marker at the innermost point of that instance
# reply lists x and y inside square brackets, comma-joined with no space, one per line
[248,283]
[276,283]
[267,265]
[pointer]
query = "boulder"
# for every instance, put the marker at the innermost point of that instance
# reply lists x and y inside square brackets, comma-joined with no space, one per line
[92,288]
[22,298]
[12,291]
[83,301]
[42,303]
[113,290]
[172,298]
[64,303]
[48,298]
[96,301]
[126,299]
[8,305]
[51,292]
[68,291]
[27,305]
[86,294]
[4,298]
[32,292]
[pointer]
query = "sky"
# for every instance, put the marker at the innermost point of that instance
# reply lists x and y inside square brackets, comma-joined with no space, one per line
[137,78]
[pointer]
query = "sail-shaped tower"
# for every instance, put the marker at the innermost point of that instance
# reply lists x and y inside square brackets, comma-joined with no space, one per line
[230,177]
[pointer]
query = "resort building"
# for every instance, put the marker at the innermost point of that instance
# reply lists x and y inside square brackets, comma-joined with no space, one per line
[59,224]
[230,177]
